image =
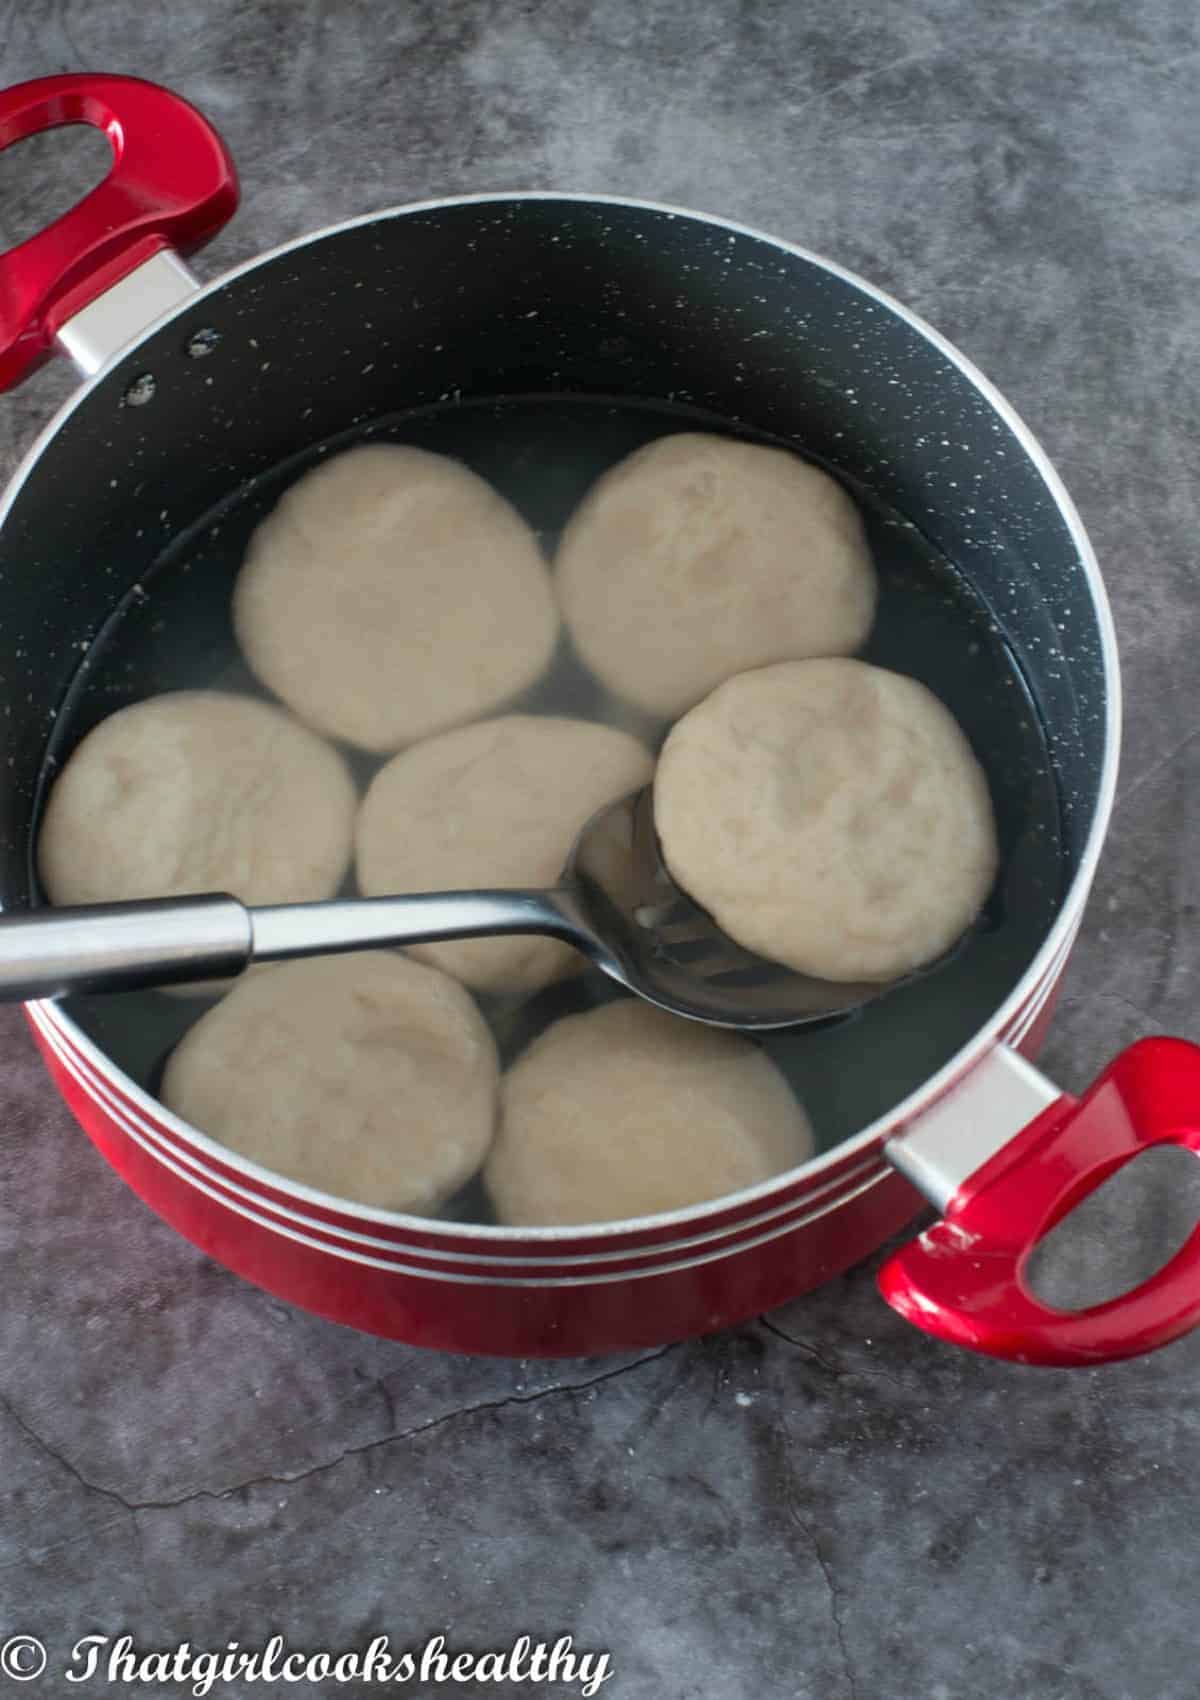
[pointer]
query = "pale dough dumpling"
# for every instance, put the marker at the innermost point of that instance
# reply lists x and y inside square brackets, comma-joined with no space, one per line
[198,791]
[367,1076]
[698,557]
[830,815]
[626,1111]
[495,804]
[392,593]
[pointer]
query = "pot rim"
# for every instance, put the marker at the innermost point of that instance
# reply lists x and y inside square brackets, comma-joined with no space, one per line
[1045,962]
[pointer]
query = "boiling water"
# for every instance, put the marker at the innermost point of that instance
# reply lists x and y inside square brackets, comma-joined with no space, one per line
[173,632]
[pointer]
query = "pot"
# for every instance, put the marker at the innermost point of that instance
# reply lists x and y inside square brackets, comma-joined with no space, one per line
[192,392]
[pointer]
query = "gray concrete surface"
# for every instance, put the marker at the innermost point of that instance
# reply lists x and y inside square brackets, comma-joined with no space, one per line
[822,1505]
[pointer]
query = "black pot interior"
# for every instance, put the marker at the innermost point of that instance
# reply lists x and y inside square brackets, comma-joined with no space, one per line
[540,341]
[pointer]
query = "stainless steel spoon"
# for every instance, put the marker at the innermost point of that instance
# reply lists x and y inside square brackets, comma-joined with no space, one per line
[616,903]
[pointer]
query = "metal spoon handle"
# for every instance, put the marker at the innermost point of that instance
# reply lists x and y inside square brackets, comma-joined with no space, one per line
[357,923]
[118,947]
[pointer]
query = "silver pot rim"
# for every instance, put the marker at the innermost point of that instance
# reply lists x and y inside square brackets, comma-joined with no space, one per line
[1042,971]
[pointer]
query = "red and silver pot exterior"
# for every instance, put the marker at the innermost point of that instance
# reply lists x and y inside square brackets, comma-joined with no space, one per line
[994,1145]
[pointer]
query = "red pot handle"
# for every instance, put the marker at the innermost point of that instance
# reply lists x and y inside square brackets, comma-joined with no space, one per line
[172,185]
[965,1279]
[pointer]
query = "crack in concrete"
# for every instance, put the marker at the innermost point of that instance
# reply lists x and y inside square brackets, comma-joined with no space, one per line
[859,80]
[830,1368]
[133,1506]
[835,1598]
[1118,1000]
[38,1555]
[838,1371]
[389,1403]
[1155,768]
[823,1564]
[31,1433]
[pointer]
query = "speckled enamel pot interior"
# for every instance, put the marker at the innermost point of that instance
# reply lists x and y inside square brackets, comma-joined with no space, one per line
[519,296]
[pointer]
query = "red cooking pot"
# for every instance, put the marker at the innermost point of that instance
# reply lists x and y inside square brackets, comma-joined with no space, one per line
[435,316]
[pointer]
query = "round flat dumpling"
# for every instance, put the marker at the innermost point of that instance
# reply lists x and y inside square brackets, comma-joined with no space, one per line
[198,791]
[495,804]
[627,1111]
[698,557]
[367,1076]
[392,593]
[829,815]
